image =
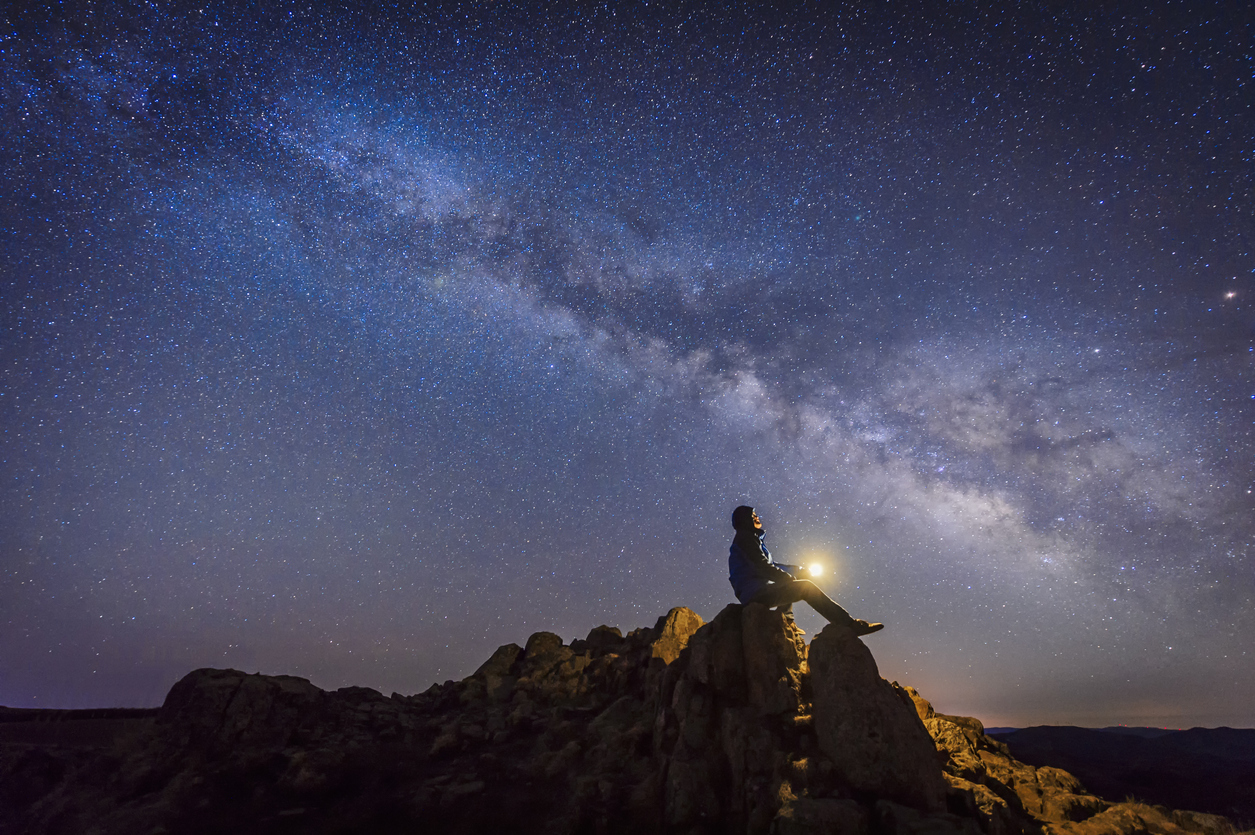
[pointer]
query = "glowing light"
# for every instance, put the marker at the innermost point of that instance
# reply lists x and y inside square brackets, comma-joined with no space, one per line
[816,569]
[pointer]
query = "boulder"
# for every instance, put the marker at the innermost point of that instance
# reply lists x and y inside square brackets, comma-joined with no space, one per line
[544,650]
[674,630]
[501,662]
[958,746]
[498,673]
[229,708]
[604,638]
[870,728]
[545,669]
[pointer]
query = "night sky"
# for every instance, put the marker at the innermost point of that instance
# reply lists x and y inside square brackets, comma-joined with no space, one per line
[352,344]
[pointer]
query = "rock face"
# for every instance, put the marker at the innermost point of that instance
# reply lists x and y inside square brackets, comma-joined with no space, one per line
[685,727]
[869,727]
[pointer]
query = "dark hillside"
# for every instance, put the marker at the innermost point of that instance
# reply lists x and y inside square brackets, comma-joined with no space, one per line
[1205,769]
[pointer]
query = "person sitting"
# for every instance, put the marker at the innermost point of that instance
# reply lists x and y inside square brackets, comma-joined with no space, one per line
[756,578]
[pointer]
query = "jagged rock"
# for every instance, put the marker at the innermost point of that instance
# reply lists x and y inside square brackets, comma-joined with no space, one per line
[870,728]
[1126,818]
[674,630]
[975,800]
[682,727]
[957,743]
[923,708]
[498,672]
[775,660]
[501,662]
[1006,795]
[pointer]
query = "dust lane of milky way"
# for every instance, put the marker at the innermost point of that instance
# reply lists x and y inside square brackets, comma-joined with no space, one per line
[352,344]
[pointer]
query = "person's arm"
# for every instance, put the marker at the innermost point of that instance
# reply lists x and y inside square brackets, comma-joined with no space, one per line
[768,570]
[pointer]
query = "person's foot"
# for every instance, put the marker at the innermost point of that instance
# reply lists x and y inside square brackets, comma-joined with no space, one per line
[862,627]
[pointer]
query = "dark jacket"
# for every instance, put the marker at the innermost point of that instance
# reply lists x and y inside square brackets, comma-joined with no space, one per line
[750,567]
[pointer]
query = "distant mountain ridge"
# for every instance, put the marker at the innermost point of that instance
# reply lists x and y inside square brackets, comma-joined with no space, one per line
[1129,730]
[1207,769]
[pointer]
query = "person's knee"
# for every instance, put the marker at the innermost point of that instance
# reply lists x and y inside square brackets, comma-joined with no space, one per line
[806,588]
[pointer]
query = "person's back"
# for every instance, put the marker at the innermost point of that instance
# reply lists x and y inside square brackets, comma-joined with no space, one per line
[750,566]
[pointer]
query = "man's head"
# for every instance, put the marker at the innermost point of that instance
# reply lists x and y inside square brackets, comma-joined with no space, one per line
[745,519]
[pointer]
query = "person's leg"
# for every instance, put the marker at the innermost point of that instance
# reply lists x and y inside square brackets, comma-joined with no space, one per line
[775,594]
[779,594]
[825,605]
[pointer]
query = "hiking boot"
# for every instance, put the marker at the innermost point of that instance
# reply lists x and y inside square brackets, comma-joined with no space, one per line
[862,627]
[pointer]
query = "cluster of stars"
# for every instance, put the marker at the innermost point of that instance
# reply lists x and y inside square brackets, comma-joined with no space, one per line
[351,345]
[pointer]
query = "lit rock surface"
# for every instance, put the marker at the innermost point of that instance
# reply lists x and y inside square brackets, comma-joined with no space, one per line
[684,727]
[868,727]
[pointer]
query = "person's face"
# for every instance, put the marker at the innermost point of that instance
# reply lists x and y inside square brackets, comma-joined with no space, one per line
[758,523]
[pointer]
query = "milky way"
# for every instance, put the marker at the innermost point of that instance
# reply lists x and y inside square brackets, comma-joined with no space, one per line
[351,345]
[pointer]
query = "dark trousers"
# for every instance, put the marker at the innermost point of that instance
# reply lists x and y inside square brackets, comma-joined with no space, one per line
[791,591]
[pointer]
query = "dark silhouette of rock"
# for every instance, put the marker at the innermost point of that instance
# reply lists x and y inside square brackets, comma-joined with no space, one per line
[225,709]
[774,655]
[684,727]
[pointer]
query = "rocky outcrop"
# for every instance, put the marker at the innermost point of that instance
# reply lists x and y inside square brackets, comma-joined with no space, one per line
[1208,769]
[732,726]
[1008,797]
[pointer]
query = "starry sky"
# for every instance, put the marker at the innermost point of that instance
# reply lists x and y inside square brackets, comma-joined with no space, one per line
[351,344]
